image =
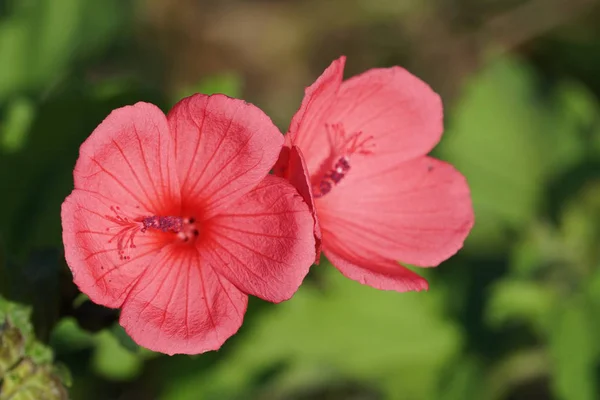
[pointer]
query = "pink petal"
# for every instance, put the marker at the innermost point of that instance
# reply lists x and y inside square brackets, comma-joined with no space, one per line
[181,306]
[399,110]
[224,147]
[307,127]
[419,212]
[291,166]
[129,159]
[265,244]
[92,254]
[378,273]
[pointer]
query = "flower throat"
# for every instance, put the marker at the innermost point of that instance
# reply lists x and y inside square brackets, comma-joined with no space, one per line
[127,228]
[337,165]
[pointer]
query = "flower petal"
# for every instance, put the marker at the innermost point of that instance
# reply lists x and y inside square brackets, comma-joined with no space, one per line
[419,212]
[291,166]
[224,147]
[379,274]
[402,113]
[265,245]
[180,305]
[91,250]
[307,127]
[130,159]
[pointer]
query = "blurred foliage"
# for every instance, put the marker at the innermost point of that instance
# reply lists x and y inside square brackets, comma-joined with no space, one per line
[514,316]
[42,38]
[26,370]
[225,83]
[328,333]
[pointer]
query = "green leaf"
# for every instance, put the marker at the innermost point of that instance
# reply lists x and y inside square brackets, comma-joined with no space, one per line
[574,117]
[17,316]
[43,38]
[124,339]
[12,348]
[28,381]
[57,27]
[112,361]
[68,336]
[513,370]
[529,302]
[465,380]
[592,291]
[26,369]
[495,140]
[540,247]
[18,120]
[574,351]
[13,47]
[228,83]
[103,23]
[580,228]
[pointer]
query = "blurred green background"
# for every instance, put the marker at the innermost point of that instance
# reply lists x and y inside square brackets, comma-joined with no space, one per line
[514,316]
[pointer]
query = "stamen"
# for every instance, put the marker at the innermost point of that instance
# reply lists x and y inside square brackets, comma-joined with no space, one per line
[337,165]
[125,236]
[127,228]
[347,145]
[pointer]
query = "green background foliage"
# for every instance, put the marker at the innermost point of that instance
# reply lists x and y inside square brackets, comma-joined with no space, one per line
[514,316]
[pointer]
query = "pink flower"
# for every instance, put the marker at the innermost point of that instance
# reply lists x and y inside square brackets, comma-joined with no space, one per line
[356,151]
[174,220]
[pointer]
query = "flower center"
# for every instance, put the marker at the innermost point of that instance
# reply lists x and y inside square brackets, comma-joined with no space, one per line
[126,229]
[337,165]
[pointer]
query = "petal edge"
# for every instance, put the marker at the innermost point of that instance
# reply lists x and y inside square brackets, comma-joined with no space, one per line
[380,274]
[267,246]
[182,306]
[224,147]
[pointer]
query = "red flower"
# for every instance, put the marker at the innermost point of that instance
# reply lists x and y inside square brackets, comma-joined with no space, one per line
[356,150]
[174,220]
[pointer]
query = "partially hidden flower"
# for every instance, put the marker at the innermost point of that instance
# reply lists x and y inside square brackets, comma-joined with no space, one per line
[175,221]
[357,151]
